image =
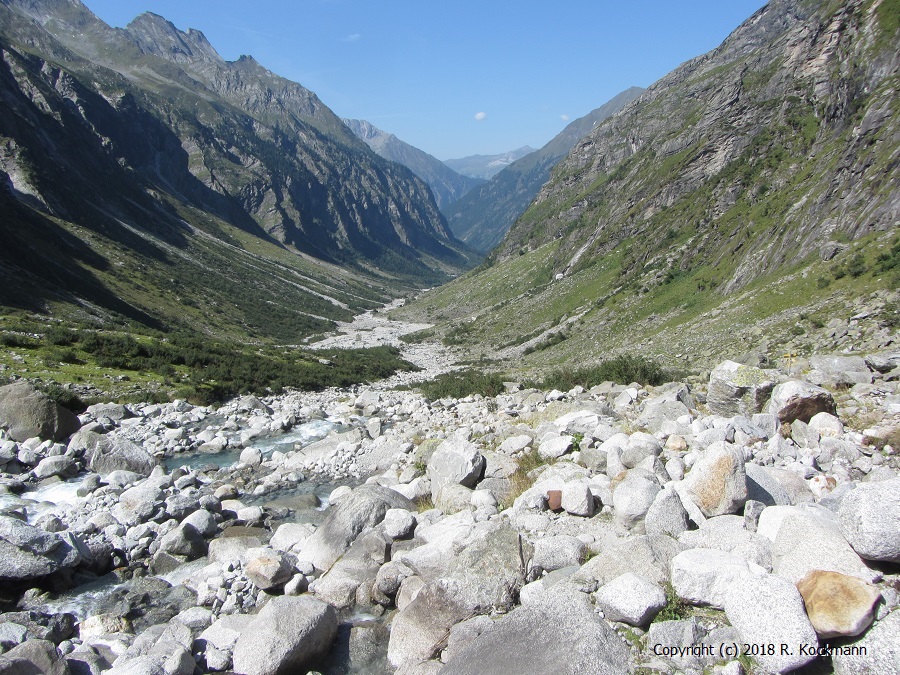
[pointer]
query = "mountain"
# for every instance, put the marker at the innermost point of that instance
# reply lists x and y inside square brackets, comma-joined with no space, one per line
[746,201]
[164,183]
[446,185]
[482,217]
[486,166]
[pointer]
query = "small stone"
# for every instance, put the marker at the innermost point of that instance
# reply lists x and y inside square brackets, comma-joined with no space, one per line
[554,500]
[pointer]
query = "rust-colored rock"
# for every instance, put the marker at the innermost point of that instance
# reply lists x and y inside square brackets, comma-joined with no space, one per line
[837,604]
[554,500]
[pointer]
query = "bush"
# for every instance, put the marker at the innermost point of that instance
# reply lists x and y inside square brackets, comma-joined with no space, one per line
[621,369]
[462,383]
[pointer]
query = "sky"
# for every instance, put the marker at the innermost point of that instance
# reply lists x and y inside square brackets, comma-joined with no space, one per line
[457,78]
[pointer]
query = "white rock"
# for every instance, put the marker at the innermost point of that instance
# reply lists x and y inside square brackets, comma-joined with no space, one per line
[768,610]
[630,598]
[702,576]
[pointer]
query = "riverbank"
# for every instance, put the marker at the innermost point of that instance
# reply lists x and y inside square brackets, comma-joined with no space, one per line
[371,530]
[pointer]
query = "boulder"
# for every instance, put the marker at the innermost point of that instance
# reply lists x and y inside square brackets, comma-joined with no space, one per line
[28,552]
[287,635]
[267,568]
[557,632]
[633,497]
[107,454]
[870,520]
[702,576]
[422,625]
[399,523]
[768,610]
[838,605]
[799,400]
[556,447]
[666,514]
[649,556]
[577,499]
[28,413]
[876,652]
[631,599]
[33,657]
[736,389]
[454,462]
[717,482]
[640,446]
[184,540]
[556,552]
[58,465]
[364,507]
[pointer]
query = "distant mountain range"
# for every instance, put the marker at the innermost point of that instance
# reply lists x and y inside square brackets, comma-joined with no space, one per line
[486,166]
[143,175]
[482,217]
[446,184]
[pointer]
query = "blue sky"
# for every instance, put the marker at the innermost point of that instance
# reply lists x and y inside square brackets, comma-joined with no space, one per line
[457,78]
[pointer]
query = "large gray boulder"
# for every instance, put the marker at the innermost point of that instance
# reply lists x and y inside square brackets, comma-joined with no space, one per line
[633,497]
[768,610]
[362,508]
[649,556]
[27,413]
[106,454]
[287,635]
[28,552]
[736,389]
[455,462]
[798,400]
[33,657]
[558,632]
[870,520]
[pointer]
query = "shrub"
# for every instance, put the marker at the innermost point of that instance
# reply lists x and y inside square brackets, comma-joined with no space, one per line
[621,369]
[462,383]
[65,397]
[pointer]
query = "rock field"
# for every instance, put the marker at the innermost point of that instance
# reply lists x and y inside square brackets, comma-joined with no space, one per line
[747,522]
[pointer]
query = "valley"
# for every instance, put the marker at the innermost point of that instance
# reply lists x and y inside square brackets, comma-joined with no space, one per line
[281,393]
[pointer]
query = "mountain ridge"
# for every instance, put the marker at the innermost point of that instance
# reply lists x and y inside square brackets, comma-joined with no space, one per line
[446,184]
[482,217]
[183,149]
[487,166]
[753,185]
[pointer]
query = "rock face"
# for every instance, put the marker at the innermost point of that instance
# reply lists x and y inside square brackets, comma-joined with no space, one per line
[870,520]
[27,413]
[296,173]
[736,389]
[287,634]
[838,605]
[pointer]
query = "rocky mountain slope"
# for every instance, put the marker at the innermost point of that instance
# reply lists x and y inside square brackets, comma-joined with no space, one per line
[446,185]
[487,166]
[483,216]
[163,183]
[747,202]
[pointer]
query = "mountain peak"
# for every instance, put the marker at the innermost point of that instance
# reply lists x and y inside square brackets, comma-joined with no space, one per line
[157,35]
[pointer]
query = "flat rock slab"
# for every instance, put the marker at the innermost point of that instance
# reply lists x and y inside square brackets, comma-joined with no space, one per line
[559,632]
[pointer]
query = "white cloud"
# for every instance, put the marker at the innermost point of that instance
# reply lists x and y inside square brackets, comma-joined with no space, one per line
[480,116]
[564,117]
[353,37]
